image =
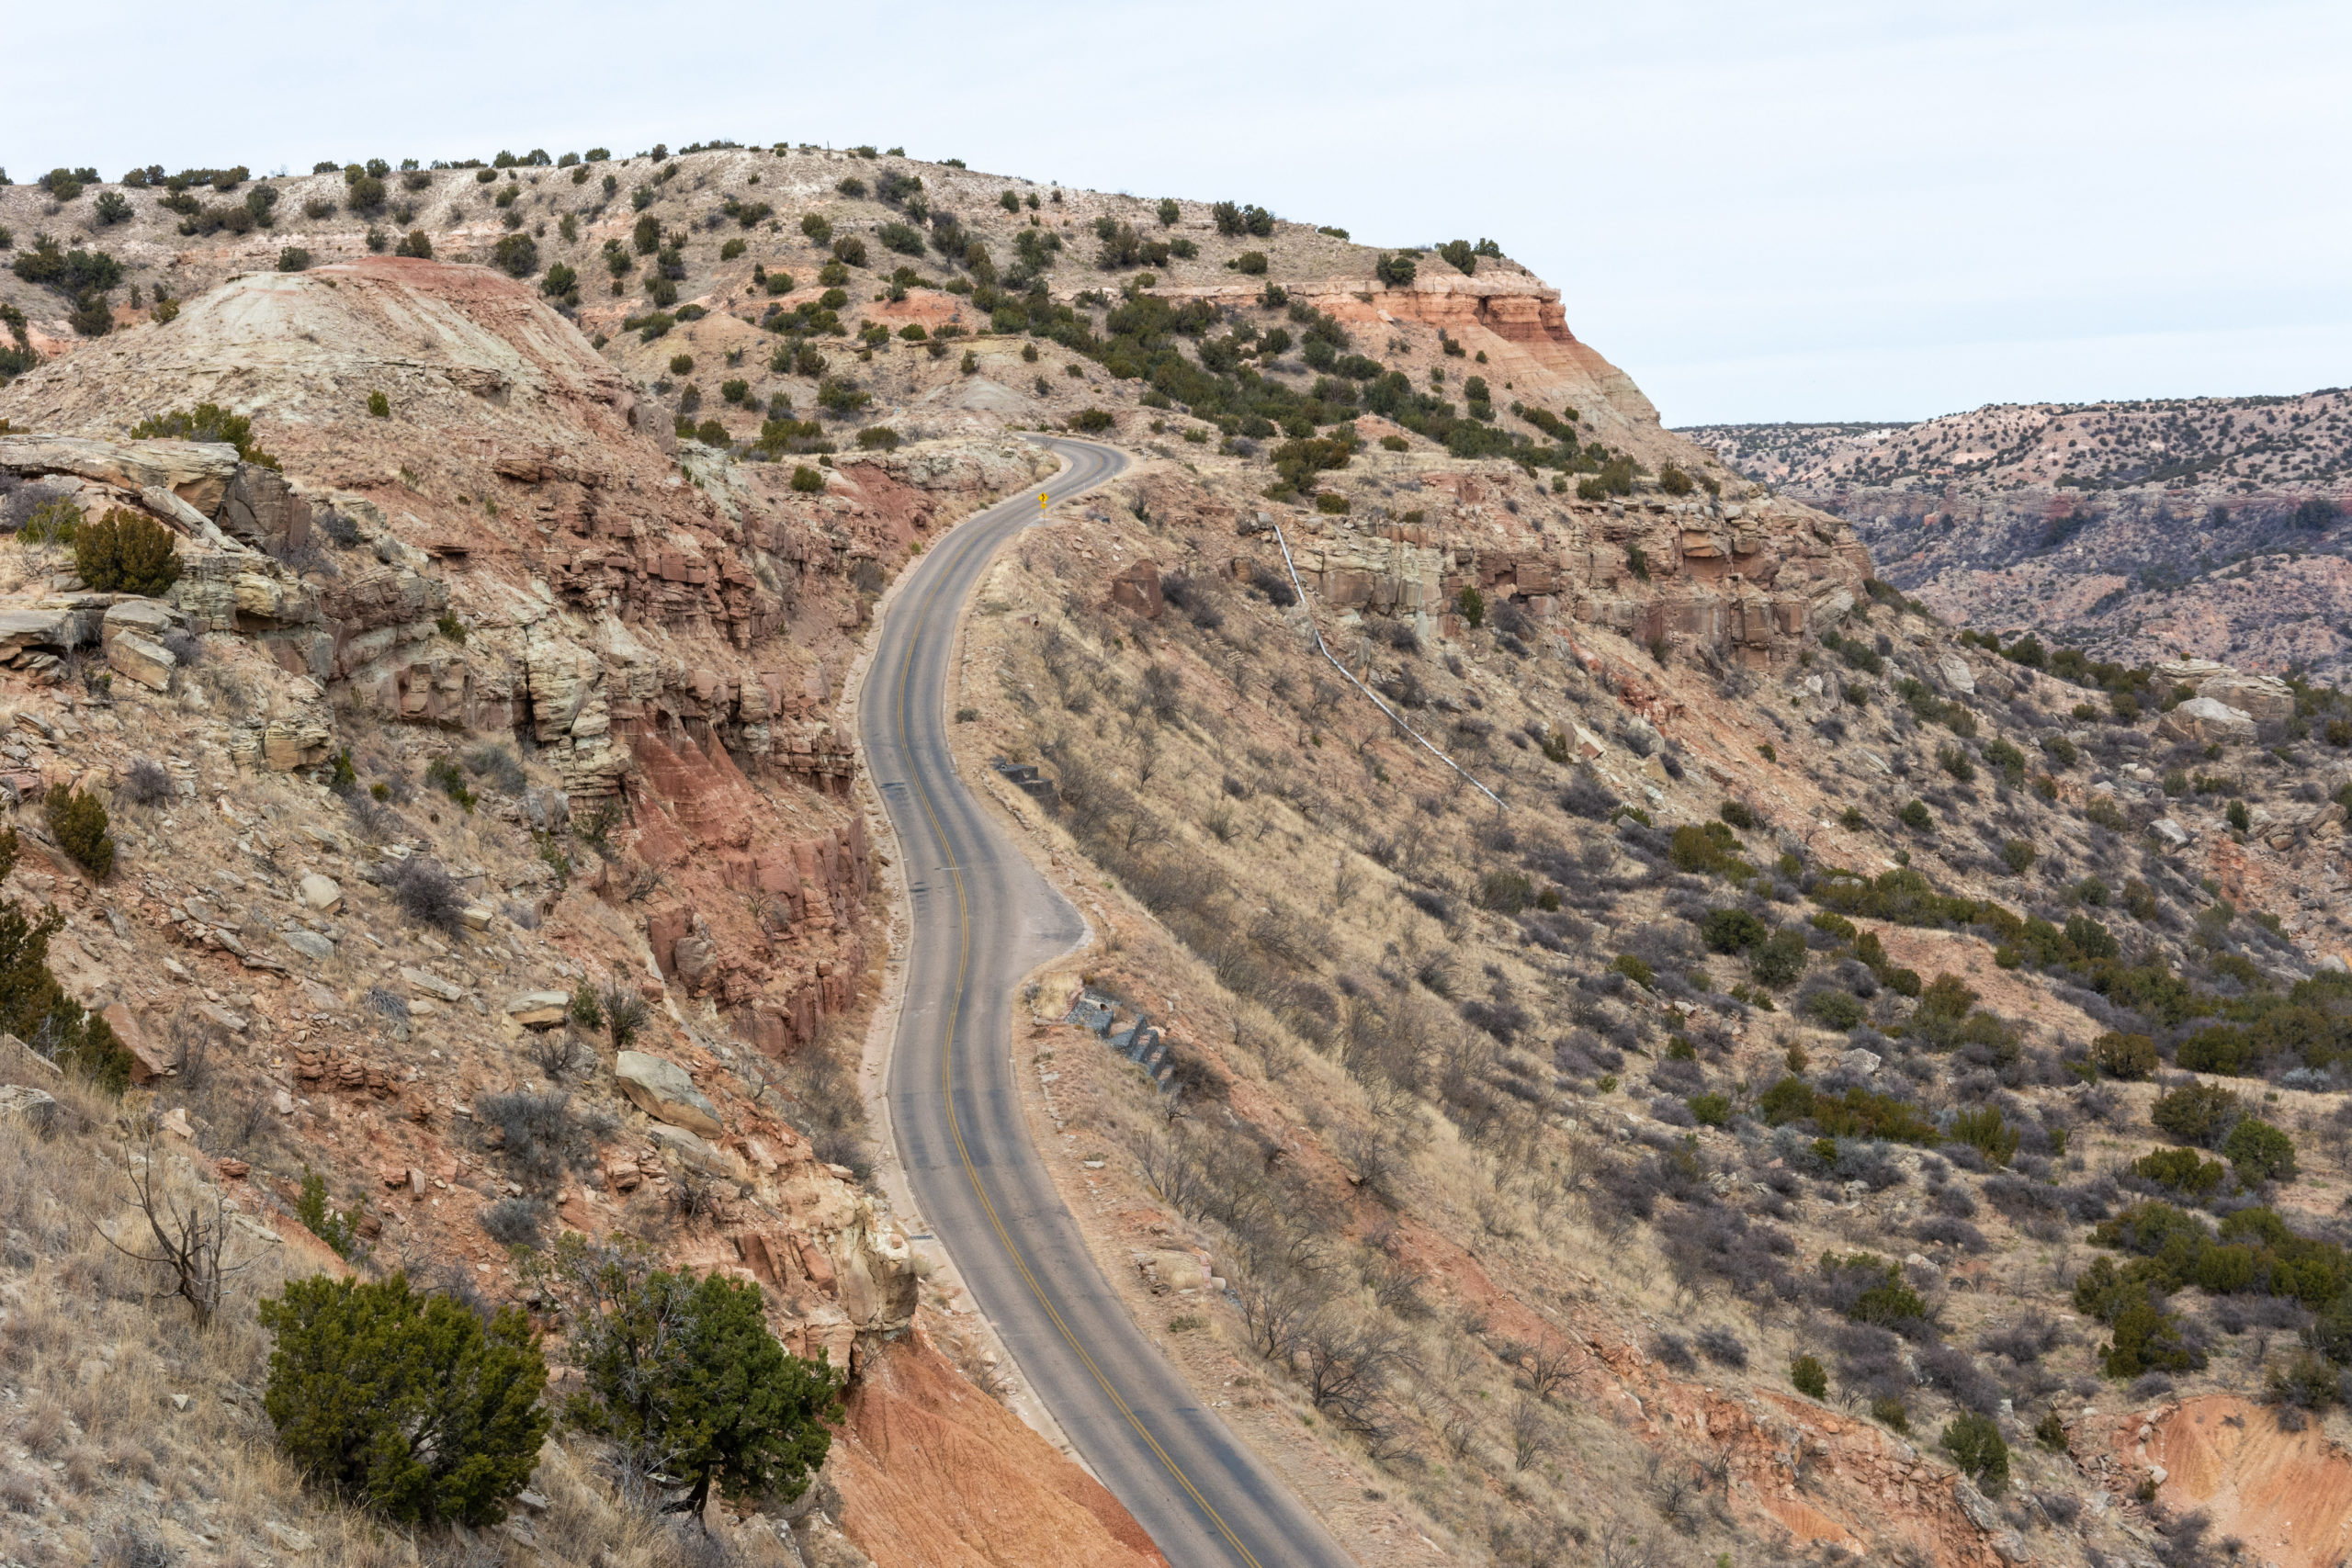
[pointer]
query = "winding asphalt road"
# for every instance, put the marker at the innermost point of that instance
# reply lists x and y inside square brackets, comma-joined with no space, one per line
[984,918]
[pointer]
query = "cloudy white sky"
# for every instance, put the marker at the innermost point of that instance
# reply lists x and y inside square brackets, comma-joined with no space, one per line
[1812,210]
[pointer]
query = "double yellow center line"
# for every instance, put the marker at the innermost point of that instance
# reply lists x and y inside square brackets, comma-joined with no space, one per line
[954,1121]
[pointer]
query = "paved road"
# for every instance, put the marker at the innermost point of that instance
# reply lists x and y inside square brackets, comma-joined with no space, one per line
[983,917]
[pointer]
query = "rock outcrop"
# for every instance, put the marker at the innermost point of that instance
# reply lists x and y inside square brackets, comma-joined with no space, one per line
[2205,721]
[664,1091]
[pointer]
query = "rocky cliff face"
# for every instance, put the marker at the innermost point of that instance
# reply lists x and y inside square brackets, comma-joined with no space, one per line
[1503,312]
[2209,527]
[624,672]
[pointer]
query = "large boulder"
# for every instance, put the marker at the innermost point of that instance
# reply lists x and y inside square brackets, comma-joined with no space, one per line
[664,1091]
[144,617]
[36,1107]
[22,629]
[2264,698]
[149,663]
[148,1060]
[1138,590]
[2201,721]
[539,1010]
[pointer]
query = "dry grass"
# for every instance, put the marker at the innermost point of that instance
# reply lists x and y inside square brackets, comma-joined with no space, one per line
[1278,881]
[95,1362]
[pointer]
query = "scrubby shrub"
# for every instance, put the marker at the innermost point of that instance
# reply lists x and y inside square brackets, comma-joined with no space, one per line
[79,822]
[1983,1129]
[416,243]
[127,552]
[625,1011]
[57,522]
[293,259]
[2120,1056]
[808,480]
[2259,1152]
[425,894]
[2145,1339]
[331,1225]
[517,255]
[535,1130]
[1779,960]
[1809,1378]
[1835,1010]
[512,1221]
[713,1401]
[2179,1170]
[1252,263]
[407,1404]
[1871,1290]
[1733,930]
[206,422]
[146,782]
[1634,969]
[877,438]
[2200,1114]
[1975,1445]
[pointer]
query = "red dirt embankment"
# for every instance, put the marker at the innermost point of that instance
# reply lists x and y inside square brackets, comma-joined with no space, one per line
[932,1471]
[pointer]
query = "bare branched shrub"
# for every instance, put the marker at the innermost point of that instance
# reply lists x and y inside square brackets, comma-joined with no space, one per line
[1276,1310]
[496,764]
[146,782]
[189,1243]
[514,1222]
[535,1131]
[425,894]
[558,1053]
[694,1196]
[1544,1368]
[1347,1359]
[821,1081]
[624,1011]
[1532,1434]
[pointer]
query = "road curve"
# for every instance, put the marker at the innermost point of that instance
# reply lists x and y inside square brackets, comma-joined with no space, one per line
[983,918]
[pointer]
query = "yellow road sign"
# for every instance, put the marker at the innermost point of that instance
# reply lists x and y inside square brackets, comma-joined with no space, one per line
[1041,501]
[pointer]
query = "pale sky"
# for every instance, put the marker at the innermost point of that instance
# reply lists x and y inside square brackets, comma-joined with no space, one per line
[1814,211]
